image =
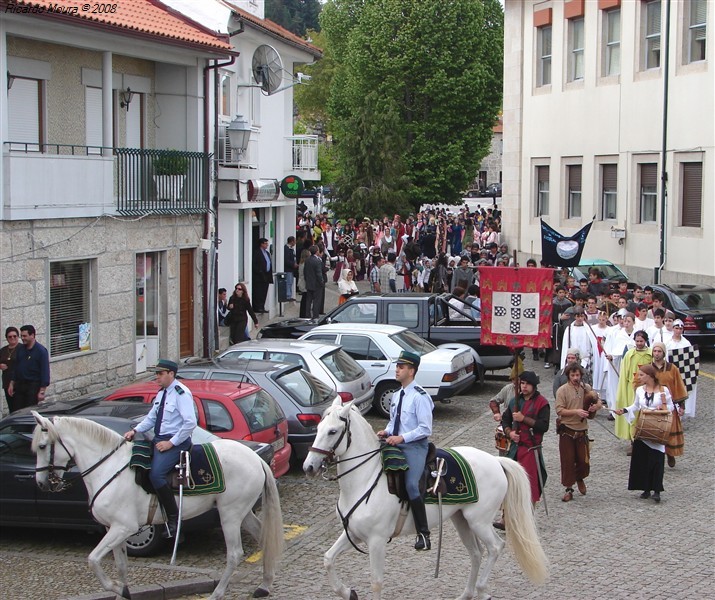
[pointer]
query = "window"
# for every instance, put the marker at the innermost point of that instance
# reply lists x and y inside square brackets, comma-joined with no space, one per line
[544,54]
[574,183]
[24,107]
[652,35]
[612,63]
[403,314]
[697,30]
[342,366]
[542,191]
[356,312]
[147,273]
[327,338]
[70,307]
[609,191]
[361,347]
[260,410]
[648,193]
[286,357]
[225,99]
[218,419]
[576,57]
[692,203]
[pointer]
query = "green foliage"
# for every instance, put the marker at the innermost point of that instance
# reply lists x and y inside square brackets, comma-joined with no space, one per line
[171,162]
[297,16]
[312,98]
[327,164]
[415,91]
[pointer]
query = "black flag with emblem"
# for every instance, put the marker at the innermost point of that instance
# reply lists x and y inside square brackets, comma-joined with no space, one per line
[561,251]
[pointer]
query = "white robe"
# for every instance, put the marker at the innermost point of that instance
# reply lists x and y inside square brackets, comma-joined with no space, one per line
[658,335]
[693,394]
[600,364]
[617,343]
[583,339]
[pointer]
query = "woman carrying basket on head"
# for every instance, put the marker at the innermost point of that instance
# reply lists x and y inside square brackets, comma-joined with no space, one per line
[648,458]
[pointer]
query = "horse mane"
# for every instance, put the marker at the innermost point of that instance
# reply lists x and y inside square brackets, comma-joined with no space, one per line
[360,422]
[102,437]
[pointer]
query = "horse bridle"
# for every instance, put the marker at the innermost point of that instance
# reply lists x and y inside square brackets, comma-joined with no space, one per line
[330,454]
[56,482]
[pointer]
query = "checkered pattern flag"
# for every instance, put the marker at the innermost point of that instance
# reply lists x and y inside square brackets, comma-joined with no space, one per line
[688,362]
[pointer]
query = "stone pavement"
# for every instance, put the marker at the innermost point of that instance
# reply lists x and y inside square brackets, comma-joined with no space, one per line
[607,544]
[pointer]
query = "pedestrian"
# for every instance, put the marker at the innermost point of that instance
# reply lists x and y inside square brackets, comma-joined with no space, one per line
[572,429]
[347,286]
[525,421]
[314,284]
[290,266]
[580,335]
[32,370]
[388,274]
[303,311]
[648,458]
[409,429]
[239,306]
[377,262]
[7,364]
[573,355]
[262,275]
[668,375]
[173,420]
[463,275]
[222,307]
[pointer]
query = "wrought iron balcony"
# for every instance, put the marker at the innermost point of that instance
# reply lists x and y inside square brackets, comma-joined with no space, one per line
[304,152]
[160,181]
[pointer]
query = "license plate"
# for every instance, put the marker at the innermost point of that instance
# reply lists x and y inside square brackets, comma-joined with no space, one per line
[278,444]
[711,325]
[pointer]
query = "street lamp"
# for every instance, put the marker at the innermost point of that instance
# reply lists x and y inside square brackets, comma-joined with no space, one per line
[239,133]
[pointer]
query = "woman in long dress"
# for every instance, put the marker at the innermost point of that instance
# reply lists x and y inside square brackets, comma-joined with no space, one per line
[648,458]
[628,380]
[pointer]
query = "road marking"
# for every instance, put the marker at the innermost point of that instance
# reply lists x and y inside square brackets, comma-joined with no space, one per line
[290,531]
[708,375]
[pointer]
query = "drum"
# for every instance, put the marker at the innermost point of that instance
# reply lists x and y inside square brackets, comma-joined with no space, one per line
[501,441]
[654,426]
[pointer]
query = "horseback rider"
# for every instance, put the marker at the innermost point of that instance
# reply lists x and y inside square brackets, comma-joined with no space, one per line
[409,429]
[173,419]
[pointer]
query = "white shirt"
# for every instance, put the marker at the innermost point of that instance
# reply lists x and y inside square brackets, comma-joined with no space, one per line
[639,403]
[179,418]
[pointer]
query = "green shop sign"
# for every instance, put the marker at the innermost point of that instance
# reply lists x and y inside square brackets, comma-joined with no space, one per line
[292,186]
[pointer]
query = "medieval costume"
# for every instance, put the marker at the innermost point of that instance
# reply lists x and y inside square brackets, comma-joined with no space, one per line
[669,376]
[627,382]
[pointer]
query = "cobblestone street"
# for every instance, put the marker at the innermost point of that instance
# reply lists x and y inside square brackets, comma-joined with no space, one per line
[607,544]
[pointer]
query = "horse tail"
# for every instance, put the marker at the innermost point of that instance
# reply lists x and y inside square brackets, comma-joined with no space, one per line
[272,529]
[519,523]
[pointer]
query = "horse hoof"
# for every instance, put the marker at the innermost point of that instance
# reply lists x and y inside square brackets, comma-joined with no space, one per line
[125,593]
[353,595]
[261,593]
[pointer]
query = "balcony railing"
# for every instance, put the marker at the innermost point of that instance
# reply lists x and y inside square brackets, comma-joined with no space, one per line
[160,181]
[304,152]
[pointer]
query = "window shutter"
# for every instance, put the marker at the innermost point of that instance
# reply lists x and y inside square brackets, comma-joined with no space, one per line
[653,25]
[698,13]
[575,178]
[542,174]
[93,118]
[610,177]
[24,112]
[649,175]
[692,195]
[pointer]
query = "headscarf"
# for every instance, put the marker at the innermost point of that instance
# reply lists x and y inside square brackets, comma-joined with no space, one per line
[345,286]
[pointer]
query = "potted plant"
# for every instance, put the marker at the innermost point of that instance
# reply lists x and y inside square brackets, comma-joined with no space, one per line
[170,169]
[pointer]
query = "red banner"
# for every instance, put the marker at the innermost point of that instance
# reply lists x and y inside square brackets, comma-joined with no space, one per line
[516,306]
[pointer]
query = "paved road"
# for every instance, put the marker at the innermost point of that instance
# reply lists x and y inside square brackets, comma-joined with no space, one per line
[607,544]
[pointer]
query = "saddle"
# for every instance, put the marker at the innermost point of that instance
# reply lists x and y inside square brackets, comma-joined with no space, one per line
[394,465]
[205,476]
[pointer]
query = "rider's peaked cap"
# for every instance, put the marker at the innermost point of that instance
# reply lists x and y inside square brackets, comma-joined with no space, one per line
[409,358]
[166,365]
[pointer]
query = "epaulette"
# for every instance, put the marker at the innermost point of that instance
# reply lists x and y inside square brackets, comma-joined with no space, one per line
[421,391]
[179,389]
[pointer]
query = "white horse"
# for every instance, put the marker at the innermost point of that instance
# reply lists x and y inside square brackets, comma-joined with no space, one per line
[346,438]
[123,506]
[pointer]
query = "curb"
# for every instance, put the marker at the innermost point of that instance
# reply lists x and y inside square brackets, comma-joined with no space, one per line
[159,591]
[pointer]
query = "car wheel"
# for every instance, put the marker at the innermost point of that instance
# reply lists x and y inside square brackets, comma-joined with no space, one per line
[383,395]
[147,542]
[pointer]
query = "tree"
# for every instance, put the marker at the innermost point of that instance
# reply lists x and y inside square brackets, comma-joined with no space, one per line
[312,98]
[297,16]
[415,92]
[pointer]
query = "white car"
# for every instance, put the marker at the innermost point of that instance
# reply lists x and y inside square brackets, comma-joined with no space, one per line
[327,362]
[443,372]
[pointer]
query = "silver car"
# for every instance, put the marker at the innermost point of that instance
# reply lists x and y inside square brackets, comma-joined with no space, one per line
[329,363]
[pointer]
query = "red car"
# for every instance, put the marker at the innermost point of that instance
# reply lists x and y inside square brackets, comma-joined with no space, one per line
[236,411]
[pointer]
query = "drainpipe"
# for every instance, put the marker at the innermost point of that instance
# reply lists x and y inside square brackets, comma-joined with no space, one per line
[210,267]
[664,150]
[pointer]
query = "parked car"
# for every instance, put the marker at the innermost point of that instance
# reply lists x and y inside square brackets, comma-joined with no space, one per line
[608,270]
[234,411]
[301,395]
[329,363]
[23,504]
[694,304]
[493,190]
[443,372]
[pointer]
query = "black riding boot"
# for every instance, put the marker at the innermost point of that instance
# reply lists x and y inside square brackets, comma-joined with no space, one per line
[420,516]
[168,502]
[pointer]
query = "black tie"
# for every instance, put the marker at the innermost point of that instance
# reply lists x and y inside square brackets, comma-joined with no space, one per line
[398,414]
[160,414]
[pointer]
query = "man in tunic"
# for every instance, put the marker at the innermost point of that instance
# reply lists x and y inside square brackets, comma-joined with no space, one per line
[572,428]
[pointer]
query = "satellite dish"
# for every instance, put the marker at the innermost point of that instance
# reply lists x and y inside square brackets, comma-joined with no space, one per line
[267,68]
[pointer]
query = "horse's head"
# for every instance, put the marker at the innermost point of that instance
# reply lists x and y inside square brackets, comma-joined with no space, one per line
[332,439]
[50,449]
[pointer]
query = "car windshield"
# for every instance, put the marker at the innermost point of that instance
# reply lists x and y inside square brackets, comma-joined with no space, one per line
[343,367]
[608,271]
[698,300]
[412,342]
[260,410]
[304,388]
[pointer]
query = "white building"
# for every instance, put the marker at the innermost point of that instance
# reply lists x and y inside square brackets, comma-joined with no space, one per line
[585,125]
[251,204]
[100,228]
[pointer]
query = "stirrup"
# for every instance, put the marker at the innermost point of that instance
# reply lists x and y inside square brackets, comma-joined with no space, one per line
[422,542]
